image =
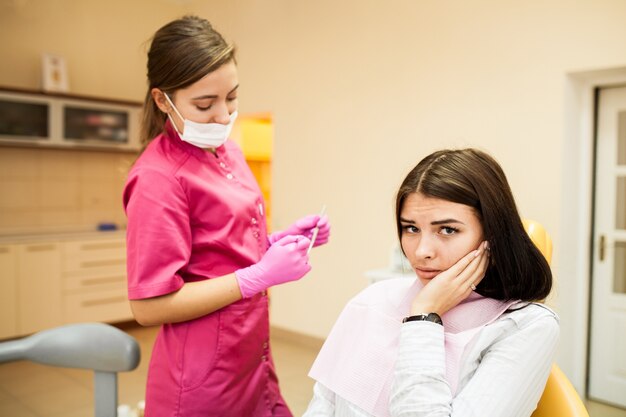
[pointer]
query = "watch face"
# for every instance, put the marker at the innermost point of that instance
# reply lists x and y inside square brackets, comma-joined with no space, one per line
[432,317]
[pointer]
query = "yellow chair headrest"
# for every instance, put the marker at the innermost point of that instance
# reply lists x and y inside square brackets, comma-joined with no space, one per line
[540,237]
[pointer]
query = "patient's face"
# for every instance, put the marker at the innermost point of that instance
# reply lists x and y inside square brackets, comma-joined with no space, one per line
[437,233]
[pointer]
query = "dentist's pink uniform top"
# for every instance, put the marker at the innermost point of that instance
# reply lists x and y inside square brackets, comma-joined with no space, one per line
[193,215]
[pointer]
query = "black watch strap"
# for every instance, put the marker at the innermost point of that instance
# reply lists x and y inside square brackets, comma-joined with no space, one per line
[434,317]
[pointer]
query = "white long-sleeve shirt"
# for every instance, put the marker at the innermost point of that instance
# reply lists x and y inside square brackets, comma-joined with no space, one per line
[503,372]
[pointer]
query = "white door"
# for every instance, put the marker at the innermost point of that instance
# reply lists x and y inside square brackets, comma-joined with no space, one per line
[607,364]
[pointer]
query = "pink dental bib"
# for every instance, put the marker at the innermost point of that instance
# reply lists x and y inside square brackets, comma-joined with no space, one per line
[357,360]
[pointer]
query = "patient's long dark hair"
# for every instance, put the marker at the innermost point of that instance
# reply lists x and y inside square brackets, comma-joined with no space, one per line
[517,268]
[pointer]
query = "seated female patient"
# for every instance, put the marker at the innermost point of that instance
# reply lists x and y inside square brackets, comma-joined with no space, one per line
[468,337]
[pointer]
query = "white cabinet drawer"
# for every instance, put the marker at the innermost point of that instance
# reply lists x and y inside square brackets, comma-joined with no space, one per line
[94,255]
[108,306]
[82,268]
[96,248]
[95,281]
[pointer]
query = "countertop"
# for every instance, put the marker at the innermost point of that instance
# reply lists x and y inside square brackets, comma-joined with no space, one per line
[55,235]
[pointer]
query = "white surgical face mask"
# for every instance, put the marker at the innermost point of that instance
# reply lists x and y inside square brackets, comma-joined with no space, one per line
[203,135]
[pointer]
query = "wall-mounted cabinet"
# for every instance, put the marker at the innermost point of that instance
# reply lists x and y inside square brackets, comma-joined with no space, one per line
[29,118]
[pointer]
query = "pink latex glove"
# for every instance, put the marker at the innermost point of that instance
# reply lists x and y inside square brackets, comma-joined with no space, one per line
[286,260]
[304,227]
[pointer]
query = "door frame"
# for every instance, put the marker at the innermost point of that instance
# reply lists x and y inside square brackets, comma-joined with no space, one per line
[575,251]
[602,290]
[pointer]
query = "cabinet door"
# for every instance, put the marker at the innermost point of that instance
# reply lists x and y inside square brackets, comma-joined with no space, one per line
[8,291]
[100,125]
[24,119]
[39,287]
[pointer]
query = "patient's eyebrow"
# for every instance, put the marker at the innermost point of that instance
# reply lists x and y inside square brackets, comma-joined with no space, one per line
[446,221]
[435,223]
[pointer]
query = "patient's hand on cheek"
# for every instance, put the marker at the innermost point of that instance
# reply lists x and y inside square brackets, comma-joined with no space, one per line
[453,285]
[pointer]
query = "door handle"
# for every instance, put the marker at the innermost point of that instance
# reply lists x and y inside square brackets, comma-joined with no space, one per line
[602,247]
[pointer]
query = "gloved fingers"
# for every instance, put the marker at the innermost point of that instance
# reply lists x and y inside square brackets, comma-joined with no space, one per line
[321,240]
[286,240]
[323,227]
[323,233]
[302,244]
[275,237]
[323,223]
[307,223]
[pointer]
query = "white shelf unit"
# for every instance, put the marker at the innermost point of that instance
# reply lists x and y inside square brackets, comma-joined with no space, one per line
[34,119]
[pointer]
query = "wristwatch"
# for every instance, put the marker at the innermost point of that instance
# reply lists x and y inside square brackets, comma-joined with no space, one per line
[434,317]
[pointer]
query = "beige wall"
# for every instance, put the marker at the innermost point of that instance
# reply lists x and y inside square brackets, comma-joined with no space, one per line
[360,91]
[103,42]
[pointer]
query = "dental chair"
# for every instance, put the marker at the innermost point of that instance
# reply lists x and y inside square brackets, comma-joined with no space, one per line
[96,346]
[559,398]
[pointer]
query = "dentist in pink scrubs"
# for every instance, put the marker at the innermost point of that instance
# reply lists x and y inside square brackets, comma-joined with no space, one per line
[199,256]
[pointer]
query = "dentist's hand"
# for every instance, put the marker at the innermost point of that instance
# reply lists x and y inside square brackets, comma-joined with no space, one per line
[304,227]
[286,260]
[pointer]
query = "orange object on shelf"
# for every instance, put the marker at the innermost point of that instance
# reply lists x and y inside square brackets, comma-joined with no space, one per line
[255,134]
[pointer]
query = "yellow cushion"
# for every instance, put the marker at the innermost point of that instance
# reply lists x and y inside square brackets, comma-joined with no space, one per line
[559,399]
[540,237]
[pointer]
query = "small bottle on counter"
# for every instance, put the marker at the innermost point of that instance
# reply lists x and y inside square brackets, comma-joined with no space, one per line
[124,410]
[141,407]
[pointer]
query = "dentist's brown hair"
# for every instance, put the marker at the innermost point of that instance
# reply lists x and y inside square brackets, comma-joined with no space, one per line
[181,53]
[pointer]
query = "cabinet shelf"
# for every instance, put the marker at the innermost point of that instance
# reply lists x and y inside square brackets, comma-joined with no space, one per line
[32,118]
